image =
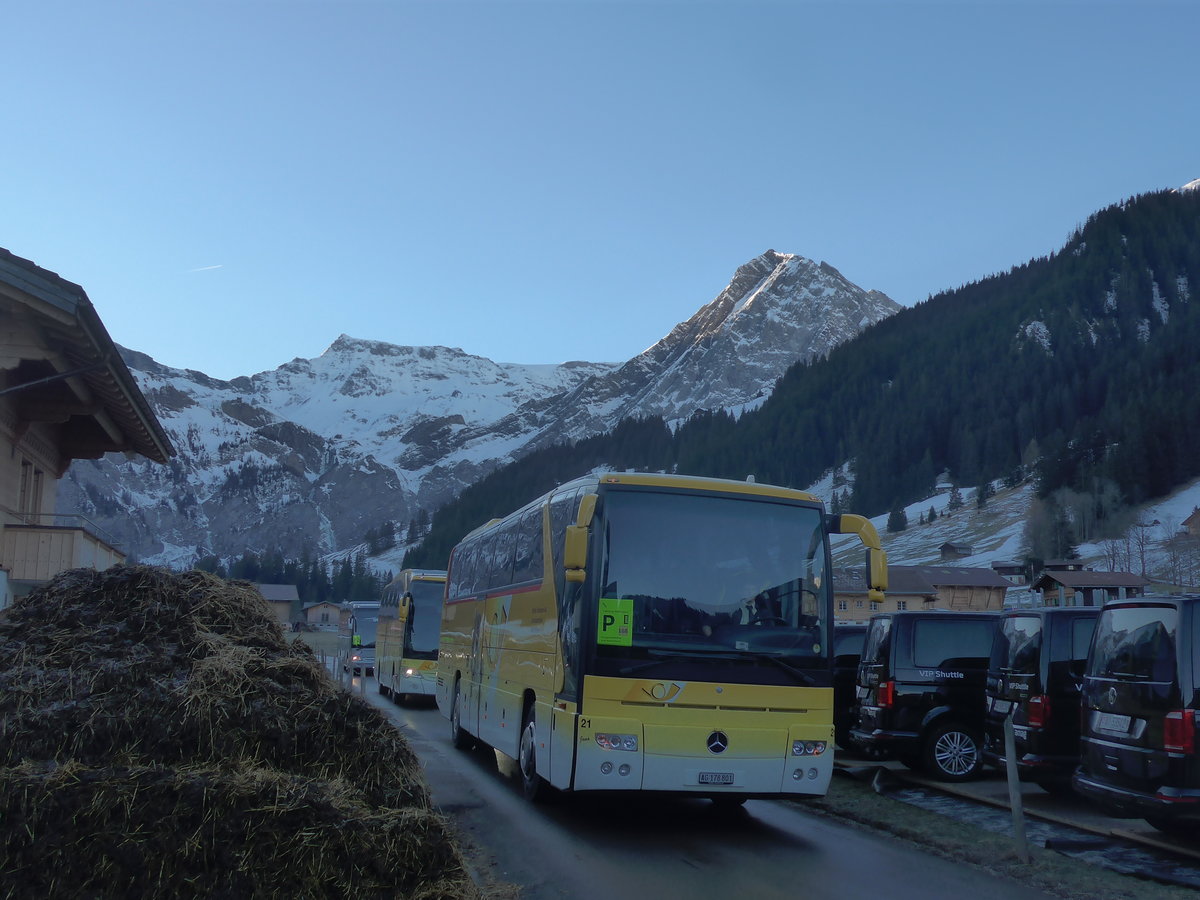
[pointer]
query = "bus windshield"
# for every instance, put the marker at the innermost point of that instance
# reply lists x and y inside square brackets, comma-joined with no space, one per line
[425,617]
[734,578]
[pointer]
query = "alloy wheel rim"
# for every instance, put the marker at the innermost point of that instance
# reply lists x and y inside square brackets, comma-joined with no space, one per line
[955,753]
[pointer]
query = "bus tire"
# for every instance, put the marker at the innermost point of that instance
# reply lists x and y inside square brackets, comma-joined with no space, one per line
[458,736]
[535,787]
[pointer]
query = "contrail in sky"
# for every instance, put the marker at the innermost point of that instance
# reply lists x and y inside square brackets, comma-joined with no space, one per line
[205,268]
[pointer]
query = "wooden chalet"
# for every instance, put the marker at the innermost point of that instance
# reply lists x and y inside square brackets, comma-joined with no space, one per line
[65,394]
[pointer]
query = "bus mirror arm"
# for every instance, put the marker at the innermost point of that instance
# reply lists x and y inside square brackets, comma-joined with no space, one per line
[877,573]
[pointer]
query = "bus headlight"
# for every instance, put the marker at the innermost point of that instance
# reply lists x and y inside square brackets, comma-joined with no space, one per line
[617,741]
[808,748]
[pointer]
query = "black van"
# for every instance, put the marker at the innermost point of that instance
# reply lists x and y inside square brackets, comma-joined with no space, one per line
[847,650]
[1035,676]
[1140,696]
[921,690]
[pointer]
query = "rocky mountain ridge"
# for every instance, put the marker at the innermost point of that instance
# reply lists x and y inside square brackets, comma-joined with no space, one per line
[309,456]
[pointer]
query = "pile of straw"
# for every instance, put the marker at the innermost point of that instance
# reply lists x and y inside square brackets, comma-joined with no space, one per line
[160,737]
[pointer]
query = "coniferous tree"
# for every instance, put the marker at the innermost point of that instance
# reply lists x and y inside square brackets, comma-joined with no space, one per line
[897,519]
[982,494]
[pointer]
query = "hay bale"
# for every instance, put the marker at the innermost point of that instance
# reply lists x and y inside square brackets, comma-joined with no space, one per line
[162,729]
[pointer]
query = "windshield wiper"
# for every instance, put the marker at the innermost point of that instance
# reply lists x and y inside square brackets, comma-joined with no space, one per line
[800,674]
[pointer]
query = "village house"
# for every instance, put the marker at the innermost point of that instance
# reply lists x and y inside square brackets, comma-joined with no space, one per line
[907,589]
[918,587]
[968,589]
[284,601]
[955,551]
[1011,571]
[1077,586]
[325,615]
[65,394]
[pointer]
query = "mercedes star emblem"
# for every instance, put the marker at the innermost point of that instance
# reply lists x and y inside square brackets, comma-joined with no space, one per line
[717,742]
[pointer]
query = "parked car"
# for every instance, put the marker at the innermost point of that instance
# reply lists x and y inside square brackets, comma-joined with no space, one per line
[921,690]
[1140,696]
[847,650]
[1035,677]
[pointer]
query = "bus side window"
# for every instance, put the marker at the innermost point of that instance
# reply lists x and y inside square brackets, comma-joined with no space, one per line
[528,563]
[502,557]
[466,575]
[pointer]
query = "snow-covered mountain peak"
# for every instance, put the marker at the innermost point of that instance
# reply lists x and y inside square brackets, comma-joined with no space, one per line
[317,451]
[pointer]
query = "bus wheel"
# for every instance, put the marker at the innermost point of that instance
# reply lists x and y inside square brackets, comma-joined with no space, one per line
[458,737]
[535,787]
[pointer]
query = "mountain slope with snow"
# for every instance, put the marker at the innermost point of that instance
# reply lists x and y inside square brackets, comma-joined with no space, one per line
[309,456]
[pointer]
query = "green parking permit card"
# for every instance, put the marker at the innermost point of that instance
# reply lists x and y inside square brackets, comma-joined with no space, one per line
[615,627]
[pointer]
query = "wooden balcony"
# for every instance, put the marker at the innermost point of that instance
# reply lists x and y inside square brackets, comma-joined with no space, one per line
[35,551]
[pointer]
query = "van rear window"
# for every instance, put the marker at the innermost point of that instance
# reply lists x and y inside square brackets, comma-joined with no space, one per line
[943,644]
[1018,645]
[1135,642]
[878,643]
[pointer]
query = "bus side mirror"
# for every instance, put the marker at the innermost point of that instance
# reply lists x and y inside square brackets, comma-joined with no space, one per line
[575,552]
[877,573]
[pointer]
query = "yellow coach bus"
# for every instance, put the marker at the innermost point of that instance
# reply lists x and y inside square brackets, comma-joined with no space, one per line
[406,645]
[650,632]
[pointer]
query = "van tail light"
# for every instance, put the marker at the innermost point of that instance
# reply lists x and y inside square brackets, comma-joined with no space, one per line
[886,695]
[1039,711]
[1179,731]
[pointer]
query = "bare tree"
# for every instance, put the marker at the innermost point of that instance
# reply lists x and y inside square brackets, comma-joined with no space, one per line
[1141,540]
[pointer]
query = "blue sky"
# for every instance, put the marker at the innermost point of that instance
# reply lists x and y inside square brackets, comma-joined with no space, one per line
[237,183]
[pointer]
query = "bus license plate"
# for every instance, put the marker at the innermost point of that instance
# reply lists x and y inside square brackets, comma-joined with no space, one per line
[716,778]
[1112,722]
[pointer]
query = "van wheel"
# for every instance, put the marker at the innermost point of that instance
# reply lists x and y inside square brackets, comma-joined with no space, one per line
[1173,826]
[458,737]
[952,753]
[535,787]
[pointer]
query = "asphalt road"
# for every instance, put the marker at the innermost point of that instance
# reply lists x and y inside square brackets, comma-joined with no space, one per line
[632,847]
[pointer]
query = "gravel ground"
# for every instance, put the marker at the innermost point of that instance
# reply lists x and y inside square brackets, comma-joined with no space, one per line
[854,801]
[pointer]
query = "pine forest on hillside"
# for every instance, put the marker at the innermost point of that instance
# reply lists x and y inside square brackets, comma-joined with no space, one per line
[1078,367]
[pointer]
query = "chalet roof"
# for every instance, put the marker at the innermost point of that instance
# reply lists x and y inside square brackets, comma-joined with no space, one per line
[279,593]
[77,378]
[1085,579]
[957,548]
[308,606]
[901,580]
[959,576]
